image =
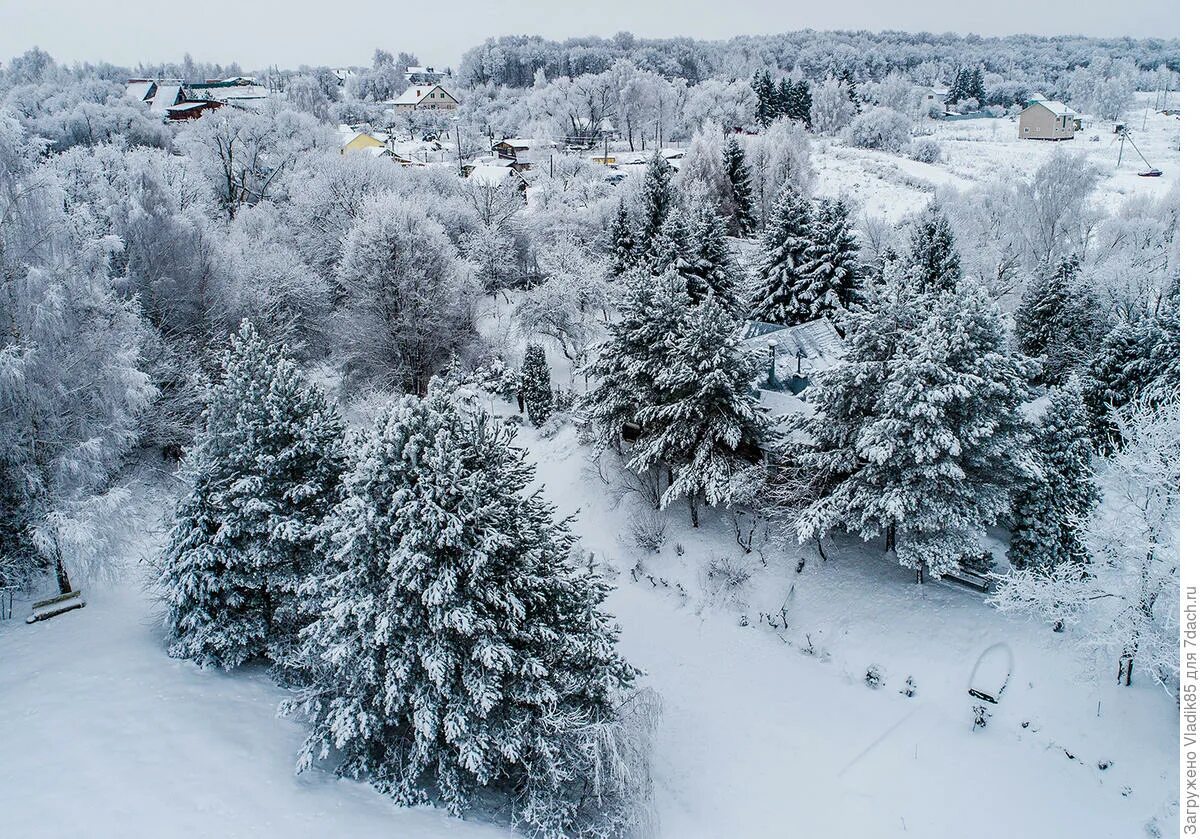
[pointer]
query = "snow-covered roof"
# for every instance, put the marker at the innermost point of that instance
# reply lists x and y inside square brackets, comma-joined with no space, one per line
[491,175]
[1055,107]
[139,89]
[494,162]
[519,143]
[166,96]
[816,341]
[416,94]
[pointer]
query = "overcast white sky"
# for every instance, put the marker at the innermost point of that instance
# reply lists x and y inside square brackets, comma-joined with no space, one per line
[258,33]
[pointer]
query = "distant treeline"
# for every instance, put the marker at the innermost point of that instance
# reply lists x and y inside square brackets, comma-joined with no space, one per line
[516,60]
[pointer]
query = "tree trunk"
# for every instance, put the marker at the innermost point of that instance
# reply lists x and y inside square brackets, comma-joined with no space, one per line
[60,571]
[695,508]
[1125,669]
[889,545]
[520,402]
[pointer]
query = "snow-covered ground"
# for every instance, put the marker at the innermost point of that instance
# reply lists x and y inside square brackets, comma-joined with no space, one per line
[983,151]
[758,737]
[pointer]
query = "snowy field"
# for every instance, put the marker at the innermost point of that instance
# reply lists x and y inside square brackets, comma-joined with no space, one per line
[983,151]
[758,737]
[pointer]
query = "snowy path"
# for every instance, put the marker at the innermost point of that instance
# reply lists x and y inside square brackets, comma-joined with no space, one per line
[103,735]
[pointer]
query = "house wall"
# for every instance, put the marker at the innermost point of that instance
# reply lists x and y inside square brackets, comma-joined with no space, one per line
[439,99]
[1040,123]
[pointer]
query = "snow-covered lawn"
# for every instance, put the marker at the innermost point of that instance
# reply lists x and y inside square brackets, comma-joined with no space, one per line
[101,734]
[984,151]
[758,737]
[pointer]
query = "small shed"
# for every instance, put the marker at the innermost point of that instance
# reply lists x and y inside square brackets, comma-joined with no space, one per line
[1047,119]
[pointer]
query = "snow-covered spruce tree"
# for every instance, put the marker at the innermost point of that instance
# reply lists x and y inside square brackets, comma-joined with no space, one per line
[795,100]
[625,371]
[1137,360]
[656,201]
[741,210]
[712,268]
[919,435]
[263,473]
[780,281]
[705,413]
[766,107]
[931,250]
[831,282]
[1058,322]
[535,385]
[1051,512]
[460,650]
[674,248]
[622,245]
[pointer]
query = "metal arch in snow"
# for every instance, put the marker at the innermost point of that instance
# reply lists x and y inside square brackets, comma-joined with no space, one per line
[990,693]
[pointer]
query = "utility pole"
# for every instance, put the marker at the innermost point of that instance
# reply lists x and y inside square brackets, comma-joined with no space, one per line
[458,148]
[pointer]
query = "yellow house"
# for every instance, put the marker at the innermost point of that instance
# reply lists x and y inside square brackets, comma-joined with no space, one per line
[361,141]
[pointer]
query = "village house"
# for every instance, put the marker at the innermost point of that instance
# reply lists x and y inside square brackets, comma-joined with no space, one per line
[1047,119]
[191,110]
[425,75]
[523,152]
[424,97]
[239,90]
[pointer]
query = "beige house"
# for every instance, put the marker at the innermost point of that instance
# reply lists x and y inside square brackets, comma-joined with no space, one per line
[1045,119]
[424,97]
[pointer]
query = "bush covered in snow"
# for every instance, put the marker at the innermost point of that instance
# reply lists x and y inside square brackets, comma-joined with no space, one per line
[925,150]
[879,128]
[648,531]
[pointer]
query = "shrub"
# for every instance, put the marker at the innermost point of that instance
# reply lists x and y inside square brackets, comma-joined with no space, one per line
[879,128]
[925,150]
[874,677]
[648,531]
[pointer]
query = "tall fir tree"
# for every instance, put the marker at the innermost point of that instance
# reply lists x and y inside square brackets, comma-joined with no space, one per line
[919,436]
[832,286]
[705,413]
[622,244]
[535,385]
[263,473]
[1058,322]
[958,88]
[460,649]
[712,266]
[674,248]
[741,215]
[1051,512]
[932,252]
[626,369]
[846,76]
[656,201]
[1138,360]
[779,284]
[766,107]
